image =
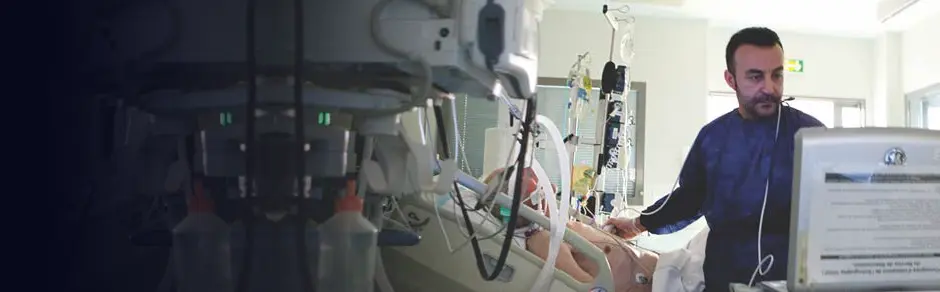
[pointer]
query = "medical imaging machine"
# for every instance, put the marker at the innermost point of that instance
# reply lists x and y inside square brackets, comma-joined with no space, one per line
[273,110]
[866,212]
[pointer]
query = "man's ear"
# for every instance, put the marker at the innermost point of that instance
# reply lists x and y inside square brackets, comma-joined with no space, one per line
[729,78]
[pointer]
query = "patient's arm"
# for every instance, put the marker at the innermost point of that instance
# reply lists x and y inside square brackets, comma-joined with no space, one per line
[593,235]
[538,245]
[596,237]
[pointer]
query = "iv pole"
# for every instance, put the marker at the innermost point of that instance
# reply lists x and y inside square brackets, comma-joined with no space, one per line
[602,112]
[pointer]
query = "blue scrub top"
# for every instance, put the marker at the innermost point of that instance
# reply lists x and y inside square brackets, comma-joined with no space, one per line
[723,179]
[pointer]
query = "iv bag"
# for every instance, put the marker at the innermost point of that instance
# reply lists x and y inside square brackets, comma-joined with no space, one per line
[626,41]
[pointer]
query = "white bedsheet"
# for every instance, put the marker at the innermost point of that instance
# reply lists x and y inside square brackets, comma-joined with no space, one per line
[681,270]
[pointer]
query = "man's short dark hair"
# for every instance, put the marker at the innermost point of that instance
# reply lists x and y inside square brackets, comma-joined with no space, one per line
[755,36]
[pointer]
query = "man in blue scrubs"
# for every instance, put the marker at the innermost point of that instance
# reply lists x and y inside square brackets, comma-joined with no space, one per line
[734,162]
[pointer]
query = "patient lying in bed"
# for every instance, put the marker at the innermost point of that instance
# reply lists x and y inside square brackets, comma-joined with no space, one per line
[632,267]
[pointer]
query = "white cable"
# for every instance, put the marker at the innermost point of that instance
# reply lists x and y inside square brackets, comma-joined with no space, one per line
[463,138]
[388,216]
[665,201]
[760,227]
[440,223]
[769,259]
[490,192]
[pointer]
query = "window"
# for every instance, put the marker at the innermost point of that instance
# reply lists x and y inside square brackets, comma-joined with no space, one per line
[474,116]
[822,110]
[932,117]
[930,106]
[850,113]
[923,108]
[852,117]
[834,113]
[924,112]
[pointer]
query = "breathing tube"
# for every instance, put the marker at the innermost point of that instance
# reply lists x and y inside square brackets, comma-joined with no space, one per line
[558,213]
[514,208]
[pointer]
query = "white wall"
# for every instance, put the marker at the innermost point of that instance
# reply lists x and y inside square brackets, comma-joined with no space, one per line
[887,108]
[920,54]
[833,67]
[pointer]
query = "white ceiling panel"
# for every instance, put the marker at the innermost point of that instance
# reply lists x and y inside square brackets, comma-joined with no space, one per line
[839,17]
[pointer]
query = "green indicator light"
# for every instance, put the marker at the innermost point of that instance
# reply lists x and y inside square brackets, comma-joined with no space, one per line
[225,119]
[323,119]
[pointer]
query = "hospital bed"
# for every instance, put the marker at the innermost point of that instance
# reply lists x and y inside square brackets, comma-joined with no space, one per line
[432,266]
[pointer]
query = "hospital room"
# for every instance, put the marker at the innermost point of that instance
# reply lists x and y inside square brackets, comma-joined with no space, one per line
[508,145]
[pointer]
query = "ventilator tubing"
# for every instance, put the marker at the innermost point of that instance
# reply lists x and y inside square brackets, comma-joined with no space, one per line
[559,213]
[557,219]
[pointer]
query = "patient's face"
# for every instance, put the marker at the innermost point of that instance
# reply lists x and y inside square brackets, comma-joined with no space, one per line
[529,188]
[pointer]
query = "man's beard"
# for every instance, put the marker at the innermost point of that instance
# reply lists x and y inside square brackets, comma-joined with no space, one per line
[754,106]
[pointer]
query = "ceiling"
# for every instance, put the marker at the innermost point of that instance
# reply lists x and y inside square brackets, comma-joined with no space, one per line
[836,17]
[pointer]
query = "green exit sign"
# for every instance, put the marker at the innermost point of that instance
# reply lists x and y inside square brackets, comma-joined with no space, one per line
[794,65]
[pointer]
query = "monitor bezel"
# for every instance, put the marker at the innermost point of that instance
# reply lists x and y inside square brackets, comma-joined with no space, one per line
[819,138]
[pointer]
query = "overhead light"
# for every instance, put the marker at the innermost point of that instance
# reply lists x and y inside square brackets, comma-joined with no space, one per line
[898,15]
[889,9]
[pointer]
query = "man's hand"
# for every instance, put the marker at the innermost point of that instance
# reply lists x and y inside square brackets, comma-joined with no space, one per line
[628,228]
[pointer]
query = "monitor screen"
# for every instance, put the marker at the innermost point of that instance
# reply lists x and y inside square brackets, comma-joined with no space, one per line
[865,210]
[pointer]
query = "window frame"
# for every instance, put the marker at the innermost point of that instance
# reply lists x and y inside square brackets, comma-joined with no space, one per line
[837,105]
[928,102]
[842,103]
[918,104]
